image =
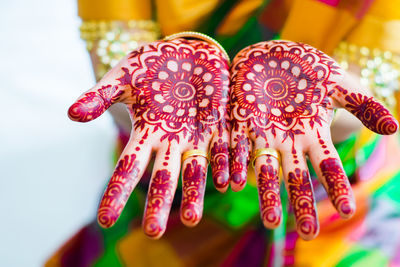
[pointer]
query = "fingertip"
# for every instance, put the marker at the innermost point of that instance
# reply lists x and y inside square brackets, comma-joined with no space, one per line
[308,230]
[87,108]
[271,217]
[153,228]
[106,217]
[221,182]
[391,126]
[347,209]
[238,182]
[190,214]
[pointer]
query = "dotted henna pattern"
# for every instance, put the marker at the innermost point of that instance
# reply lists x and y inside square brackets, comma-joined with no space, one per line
[118,190]
[220,163]
[194,179]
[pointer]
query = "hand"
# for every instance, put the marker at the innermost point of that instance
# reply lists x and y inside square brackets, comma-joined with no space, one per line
[177,94]
[283,97]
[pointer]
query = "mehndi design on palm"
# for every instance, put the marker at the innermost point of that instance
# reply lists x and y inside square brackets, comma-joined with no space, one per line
[177,92]
[283,97]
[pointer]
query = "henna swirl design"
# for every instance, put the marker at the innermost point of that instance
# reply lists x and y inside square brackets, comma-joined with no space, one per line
[338,185]
[268,189]
[302,200]
[241,156]
[194,178]
[159,198]
[183,90]
[118,191]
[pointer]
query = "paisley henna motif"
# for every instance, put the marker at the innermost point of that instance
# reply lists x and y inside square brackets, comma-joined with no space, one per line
[268,190]
[302,199]
[338,186]
[118,190]
[194,179]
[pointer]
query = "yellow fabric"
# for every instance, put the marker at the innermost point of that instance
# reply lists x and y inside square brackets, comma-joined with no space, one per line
[317,24]
[183,15]
[114,9]
[147,252]
[238,16]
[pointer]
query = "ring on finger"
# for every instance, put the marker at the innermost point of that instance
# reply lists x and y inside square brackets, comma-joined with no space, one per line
[194,152]
[265,151]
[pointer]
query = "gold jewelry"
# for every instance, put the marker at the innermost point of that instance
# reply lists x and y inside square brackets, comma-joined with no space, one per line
[201,36]
[194,152]
[378,70]
[265,151]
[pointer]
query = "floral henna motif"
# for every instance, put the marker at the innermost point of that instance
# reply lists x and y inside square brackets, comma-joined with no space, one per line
[159,201]
[268,189]
[371,113]
[220,163]
[302,199]
[183,89]
[280,85]
[93,104]
[338,185]
[194,178]
[118,190]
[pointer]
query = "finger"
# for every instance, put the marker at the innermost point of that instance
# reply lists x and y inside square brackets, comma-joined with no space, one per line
[193,189]
[219,160]
[106,92]
[329,169]
[368,110]
[267,173]
[161,192]
[301,195]
[129,170]
[240,149]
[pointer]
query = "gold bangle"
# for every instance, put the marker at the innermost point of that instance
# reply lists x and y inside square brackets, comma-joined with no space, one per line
[194,152]
[265,151]
[201,36]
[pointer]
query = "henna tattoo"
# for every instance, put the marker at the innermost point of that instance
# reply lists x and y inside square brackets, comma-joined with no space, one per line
[118,190]
[338,186]
[194,178]
[268,189]
[159,201]
[371,113]
[241,157]
[220,163]
[280,85]
[93,104]
[302,199]
[182,89]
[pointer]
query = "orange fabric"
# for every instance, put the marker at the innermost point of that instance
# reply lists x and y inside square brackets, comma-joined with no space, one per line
[114,9]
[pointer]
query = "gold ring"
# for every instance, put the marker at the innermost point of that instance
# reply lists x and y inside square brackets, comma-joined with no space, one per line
[201,36]
[265,151]
[194,152]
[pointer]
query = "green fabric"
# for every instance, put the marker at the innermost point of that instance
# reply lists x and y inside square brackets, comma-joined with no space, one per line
[362,257]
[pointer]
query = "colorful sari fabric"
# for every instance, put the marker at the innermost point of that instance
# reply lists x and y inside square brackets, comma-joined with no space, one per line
[231,232]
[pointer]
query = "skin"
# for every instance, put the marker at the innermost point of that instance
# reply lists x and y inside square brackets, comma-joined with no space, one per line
[177,95]
[283,96]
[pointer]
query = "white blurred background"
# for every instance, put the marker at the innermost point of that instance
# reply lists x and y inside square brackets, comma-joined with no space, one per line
[52,170]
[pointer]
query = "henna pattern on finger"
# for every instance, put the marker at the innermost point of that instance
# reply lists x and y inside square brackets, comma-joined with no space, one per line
[194,179]
[93,104]
[159,201]
[370,112]
[268,190]
[118,190]
[302,199]
[241,158]
[220,163]
[338,186]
